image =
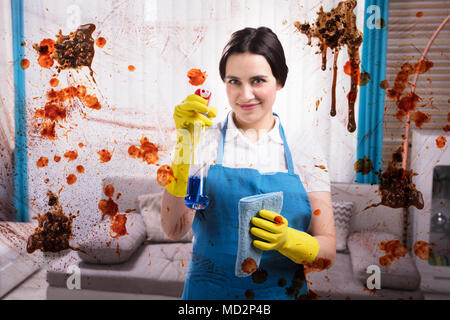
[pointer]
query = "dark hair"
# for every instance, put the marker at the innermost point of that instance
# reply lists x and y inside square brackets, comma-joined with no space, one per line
[262,41]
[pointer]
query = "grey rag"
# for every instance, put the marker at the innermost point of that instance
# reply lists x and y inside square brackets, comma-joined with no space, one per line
[249,208]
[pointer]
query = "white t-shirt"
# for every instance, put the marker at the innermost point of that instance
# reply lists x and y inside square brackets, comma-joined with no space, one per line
[267,154]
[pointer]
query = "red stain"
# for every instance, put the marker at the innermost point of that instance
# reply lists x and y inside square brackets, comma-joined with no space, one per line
[118,225]
[384,84]
[196,77]
[71,179]
[108,207]
[42,162]
[440,142]
[24,64]
[317,212]
[318,265]
[394,250]
[420,118]
[45,50]
[422,250]
[148,151]
[57,158]
[164,175]
[100,42]
[80,169]
[249,266]
[81,145]
[419,14]
[105,155]
[131,68]
[71,155]
[278,220]
[48,130]
[54,82]
[109,191]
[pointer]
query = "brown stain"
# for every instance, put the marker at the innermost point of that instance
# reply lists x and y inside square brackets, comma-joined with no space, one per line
[396,187]
[440,142]
[446,128]
[71,179]
[419,14]
[24,64]
[105,155]
[249,265]
[317,212]
[147,151]
[42,162]
[249,294]
[164,175]
[363,166]
[196,77]
[335,29]
[259,276]
[56,158]
[75,50]
[54,229]
[394,249]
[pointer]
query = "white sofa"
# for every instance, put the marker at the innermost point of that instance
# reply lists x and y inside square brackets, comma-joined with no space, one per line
[158,270]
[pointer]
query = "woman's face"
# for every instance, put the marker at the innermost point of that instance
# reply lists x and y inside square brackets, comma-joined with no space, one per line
[251,89]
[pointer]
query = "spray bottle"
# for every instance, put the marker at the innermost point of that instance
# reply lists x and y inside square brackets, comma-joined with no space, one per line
[195,197]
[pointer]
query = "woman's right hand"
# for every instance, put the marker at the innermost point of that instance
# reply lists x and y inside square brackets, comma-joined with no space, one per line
[194,109]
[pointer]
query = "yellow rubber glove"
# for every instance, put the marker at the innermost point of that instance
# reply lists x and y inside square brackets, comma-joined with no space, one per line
[298,246]
[187,115]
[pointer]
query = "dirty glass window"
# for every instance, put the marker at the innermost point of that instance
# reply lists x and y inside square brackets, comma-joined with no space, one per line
[83,117]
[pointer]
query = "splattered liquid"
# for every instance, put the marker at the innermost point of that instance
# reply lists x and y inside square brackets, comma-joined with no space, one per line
[54,229]
[335,29]
[195,197]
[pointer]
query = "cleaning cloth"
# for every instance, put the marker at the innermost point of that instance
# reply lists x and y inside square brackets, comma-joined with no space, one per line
[249,257]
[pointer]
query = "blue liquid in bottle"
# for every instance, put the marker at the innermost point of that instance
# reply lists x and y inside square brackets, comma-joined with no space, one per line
[195,199]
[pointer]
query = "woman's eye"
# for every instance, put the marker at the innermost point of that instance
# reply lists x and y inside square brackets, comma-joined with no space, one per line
[233,81]
[258,81]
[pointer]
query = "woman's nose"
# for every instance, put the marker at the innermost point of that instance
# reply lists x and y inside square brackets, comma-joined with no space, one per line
[246,93]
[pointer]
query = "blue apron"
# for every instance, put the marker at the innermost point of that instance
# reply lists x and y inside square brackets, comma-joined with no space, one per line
[211,272]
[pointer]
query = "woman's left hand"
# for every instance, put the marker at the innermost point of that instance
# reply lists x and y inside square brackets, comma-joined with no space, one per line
[298,246]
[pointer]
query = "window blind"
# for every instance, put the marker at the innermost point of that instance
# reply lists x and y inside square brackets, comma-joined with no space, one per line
[411,25]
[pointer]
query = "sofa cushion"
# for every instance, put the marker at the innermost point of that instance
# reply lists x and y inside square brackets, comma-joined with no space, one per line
[365,216]
[103,246]
[343,211]
[150,209]
[398,270]
[158,269]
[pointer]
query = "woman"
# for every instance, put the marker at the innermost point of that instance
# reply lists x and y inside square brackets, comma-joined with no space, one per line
[253,69]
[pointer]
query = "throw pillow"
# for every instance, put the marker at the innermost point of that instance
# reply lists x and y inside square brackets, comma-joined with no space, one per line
[397,267]
[150,209]
[343,212]
[105,243]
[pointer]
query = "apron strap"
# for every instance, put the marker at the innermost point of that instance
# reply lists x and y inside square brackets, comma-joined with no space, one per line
[287,151]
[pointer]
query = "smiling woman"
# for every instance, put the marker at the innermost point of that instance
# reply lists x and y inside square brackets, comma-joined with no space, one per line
[251,128]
